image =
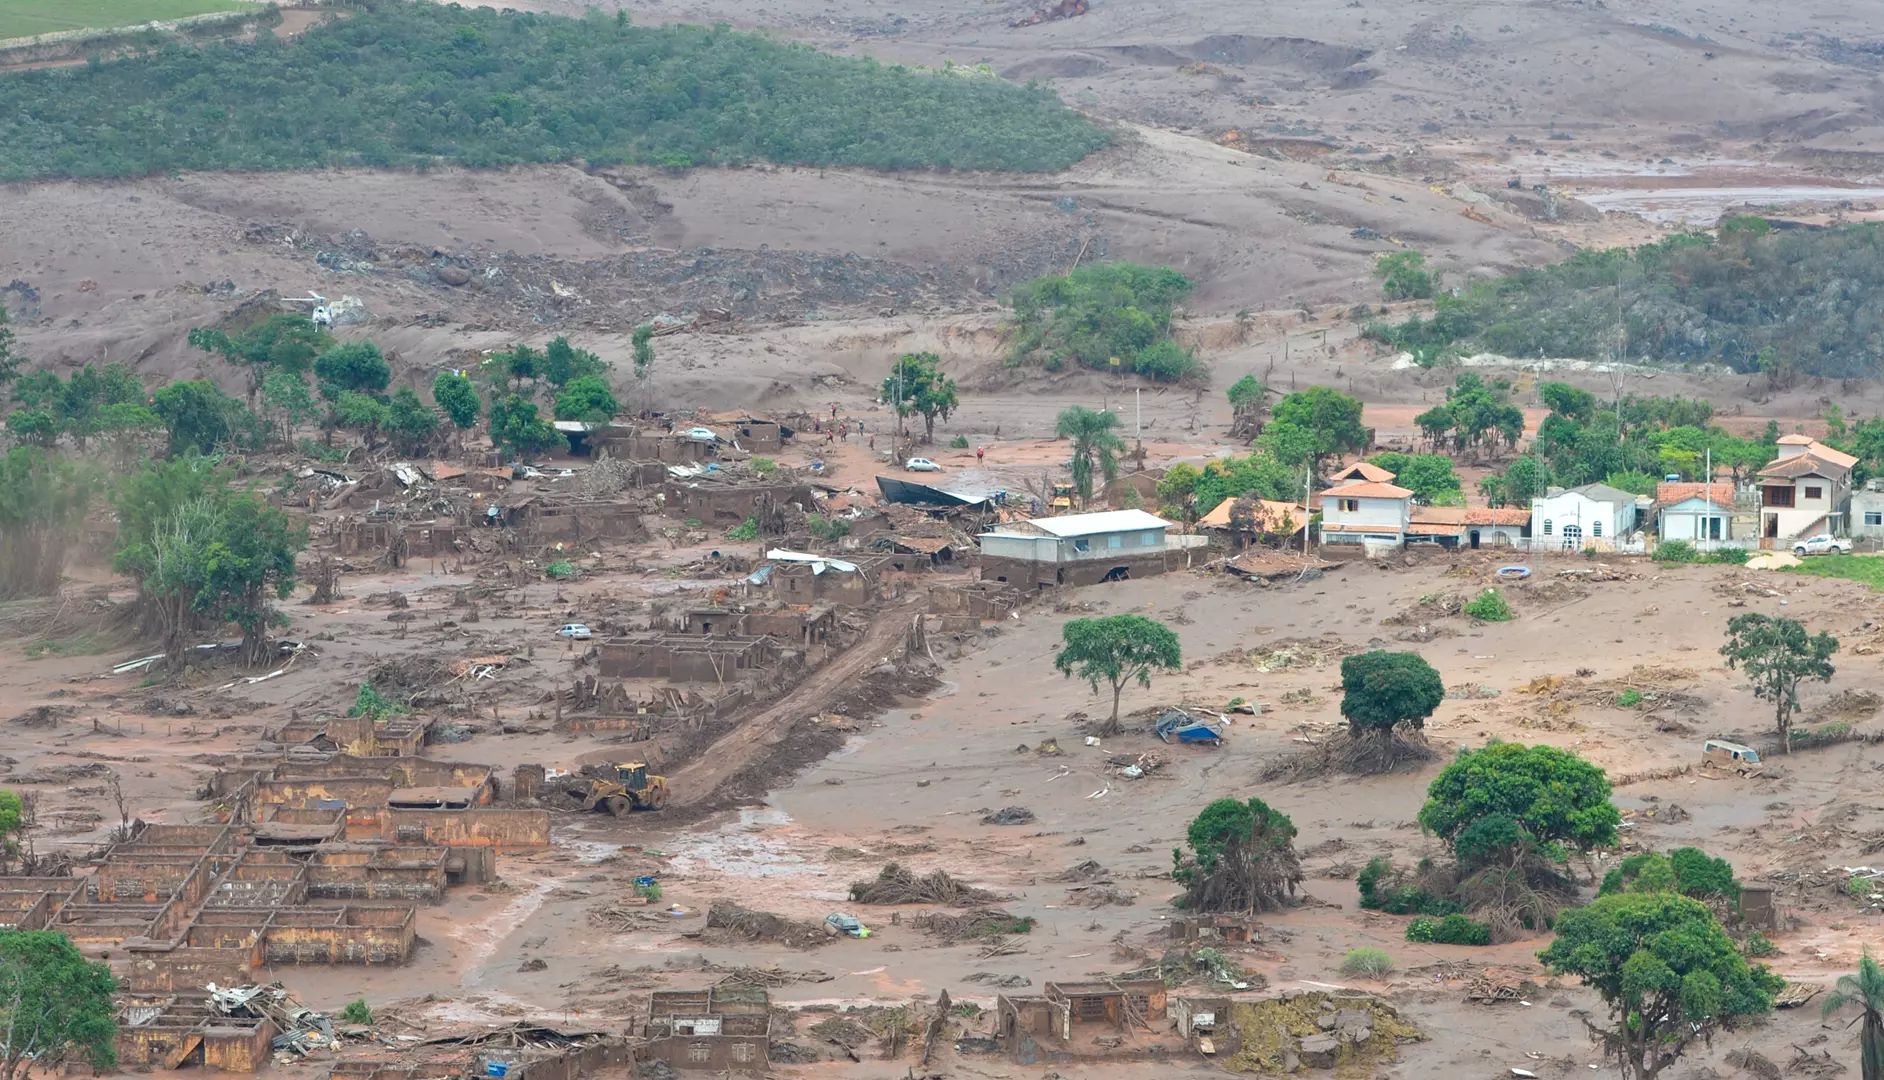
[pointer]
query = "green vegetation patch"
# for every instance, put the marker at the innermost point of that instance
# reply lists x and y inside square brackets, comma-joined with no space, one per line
[1109,316]
[1788,302]
[1868,569]
[411,84]
[31,18]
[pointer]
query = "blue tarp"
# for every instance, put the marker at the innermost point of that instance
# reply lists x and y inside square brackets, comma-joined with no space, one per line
[1185,728]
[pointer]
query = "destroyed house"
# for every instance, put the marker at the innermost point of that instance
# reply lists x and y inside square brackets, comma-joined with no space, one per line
[714,502]
[721,1029]
[685,657]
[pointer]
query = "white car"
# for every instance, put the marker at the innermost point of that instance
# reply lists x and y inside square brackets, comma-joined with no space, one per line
[921,464]
[576,631]
[701,434]
[1822,544]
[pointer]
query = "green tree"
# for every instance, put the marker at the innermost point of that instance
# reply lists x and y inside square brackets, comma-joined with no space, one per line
[1330,419]
[409,423]
[33,427]
[53,1002]
[199,416]
[516,427]
[1111,316]
[1525,479]
[1117,650]
[1249,403]
[1403,276]
[1687,870]
[354,411]
[1382,690]
[459,398]
[1096,446]
[521,363]
[1176,488]
[563,363]
[358,366]
[1242,859]
[250,560]
[1866,991]
[588,399]
[916,386]
[1428,476]
[1777,655]
[1666,970]
[12,823]
[1260,474]
[1567,401]
[643,340]
[283,343]
[1551,796]
[286,395]
[9,360]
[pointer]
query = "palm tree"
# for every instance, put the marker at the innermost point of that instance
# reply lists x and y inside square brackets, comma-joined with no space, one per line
[1094,446]
[1865,990]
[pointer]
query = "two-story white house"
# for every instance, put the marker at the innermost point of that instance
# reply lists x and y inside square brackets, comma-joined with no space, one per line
[1805,491]
[1363,510]
[1594,515]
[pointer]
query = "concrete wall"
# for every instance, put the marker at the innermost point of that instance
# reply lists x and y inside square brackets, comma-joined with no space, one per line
[190,969]
[709,1053]
[1033,575]
[351,935]
[497,828]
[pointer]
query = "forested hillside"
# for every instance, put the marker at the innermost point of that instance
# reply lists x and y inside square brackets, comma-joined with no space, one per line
[408,84]
[1789,302]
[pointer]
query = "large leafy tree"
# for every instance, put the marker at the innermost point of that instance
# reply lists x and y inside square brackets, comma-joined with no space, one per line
[1428,476]
[1112,316]
[283,343]
[459,398]
[1242,859]
[1382,690]
[1666,970]
[588,399]
[53,1002]
[250,561]
[358,366]
[516,427]
[1777,654]
[409,423]
[916,386]
[1686,870]
[563,363]
[1116,650]
[199,416]
[1508,793]
[1321,421]
[1096,445]
[1865,990]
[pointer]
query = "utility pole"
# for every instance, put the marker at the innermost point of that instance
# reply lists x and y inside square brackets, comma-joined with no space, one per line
[1138,417]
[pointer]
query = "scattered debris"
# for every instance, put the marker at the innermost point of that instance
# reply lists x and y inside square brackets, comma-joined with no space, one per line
[1009,815]
[895,884]
[743,922]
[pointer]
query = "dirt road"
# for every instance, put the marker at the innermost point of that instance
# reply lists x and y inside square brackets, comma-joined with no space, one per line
[726,758]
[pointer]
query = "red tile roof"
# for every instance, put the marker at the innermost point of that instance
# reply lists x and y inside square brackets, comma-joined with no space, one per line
[1504,515]
[1367,489]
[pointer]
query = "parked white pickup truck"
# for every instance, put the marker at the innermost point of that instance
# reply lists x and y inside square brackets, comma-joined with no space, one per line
[1822,544]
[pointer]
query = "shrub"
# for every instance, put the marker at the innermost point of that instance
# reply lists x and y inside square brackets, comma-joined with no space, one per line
[764,466]
[357,1012]
[1759,945]
[1366,963]
[561,570]
[1382,889]
[1451,930]
[1629,698]
[1100,312]
[369,702]
[1675,551]
[650,890]
[745,530]
[1489,606]
[828,529]
[1731,555]
[959,442]
[1860,887]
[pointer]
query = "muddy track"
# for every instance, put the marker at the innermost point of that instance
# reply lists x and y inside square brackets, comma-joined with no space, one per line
[732,753]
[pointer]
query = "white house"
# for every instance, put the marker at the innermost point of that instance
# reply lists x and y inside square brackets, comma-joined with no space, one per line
[1699,512]
[1594,515]
[1363,510]
[1077,537]
[1805,491]
[1867,510]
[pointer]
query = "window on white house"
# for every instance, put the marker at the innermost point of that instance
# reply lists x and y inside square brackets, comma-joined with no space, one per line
[1546,526]
[1596,528]
[1713,528]
[1874,517]
[1150,539]
[1115,540]
[1815,493]
[1082,545]
[1350,506]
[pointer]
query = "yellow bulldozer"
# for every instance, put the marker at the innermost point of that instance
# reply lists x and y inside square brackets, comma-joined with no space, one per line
[630,788]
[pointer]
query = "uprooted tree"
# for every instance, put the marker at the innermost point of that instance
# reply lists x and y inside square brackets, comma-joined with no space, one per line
[1242,859]
[1116,650]
[53,1002]
[1777,655]
[1383,690]
[1667,971]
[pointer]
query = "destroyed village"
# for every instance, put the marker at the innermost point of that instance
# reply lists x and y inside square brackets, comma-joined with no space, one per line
[977,540]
